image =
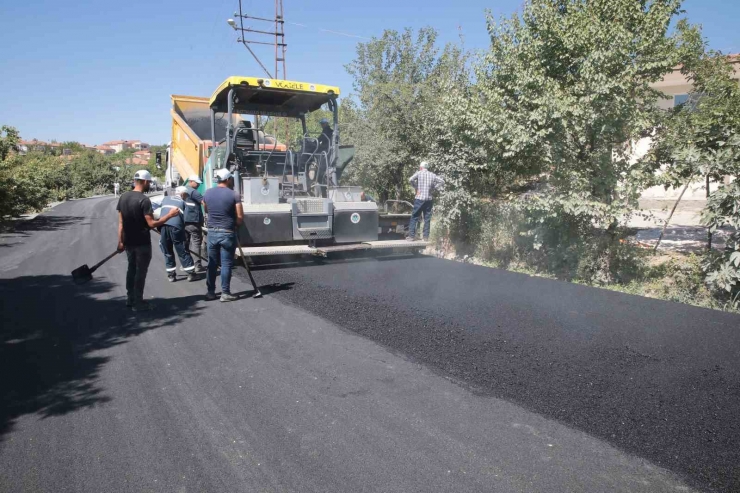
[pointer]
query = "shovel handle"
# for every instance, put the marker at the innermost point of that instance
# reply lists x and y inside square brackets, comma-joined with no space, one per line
[94,267]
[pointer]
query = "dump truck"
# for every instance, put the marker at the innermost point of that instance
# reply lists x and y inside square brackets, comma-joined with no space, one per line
[292,196]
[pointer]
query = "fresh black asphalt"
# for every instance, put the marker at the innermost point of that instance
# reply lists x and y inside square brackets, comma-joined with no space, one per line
[483,380]
[658,379]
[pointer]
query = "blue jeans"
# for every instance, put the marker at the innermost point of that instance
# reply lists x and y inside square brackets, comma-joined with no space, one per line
[221,245]
[421,207]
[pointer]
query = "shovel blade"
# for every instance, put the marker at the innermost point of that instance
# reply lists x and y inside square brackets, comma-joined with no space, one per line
[81,275]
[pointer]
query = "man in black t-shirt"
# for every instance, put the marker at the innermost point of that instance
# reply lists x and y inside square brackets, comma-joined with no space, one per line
[134,222]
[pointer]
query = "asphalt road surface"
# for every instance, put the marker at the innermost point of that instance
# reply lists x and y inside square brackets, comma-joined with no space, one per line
[379,375]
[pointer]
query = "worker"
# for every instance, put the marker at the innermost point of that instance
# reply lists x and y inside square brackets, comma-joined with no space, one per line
[327,134]
[135,219]
[172,237]
[225,214]
[194,221]
[424,182]
[366,197]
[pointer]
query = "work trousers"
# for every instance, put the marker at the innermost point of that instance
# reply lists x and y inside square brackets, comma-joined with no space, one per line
[194,238]
[138,266]
[421,207]
[221,246]
[173,240]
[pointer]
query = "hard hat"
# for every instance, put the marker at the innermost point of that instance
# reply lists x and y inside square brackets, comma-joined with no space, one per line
[424,165]
[324,121]
[143,174]
[181,190]
[195,179]
[222,174]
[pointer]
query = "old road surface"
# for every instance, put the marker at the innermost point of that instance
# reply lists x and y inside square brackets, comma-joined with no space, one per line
[382,375]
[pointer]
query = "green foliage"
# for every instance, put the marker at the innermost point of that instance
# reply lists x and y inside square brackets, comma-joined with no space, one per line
[31,182]
[701,138]
[556,241]
[566,86]
[388,119]
[723,268]
[9,140]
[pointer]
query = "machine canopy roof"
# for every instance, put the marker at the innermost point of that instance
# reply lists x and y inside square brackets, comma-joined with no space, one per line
[271,97]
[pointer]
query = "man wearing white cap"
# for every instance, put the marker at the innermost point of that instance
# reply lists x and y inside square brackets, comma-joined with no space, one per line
[135,219]
[172,237]
[194,220]
[224,208]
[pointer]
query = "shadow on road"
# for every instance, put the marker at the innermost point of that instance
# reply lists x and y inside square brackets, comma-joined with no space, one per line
[298,261]
[13,231]
[50,330]
[41,223]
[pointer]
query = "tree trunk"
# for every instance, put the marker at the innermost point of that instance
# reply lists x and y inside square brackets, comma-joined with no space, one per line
[709,231]
[668,220]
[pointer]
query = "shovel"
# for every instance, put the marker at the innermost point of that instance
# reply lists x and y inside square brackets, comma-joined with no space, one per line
[258,293]
[83,274]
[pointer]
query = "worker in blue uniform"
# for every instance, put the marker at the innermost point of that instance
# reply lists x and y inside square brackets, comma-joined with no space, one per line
[173,239]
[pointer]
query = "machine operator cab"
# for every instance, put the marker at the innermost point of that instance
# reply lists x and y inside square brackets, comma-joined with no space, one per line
[291,194]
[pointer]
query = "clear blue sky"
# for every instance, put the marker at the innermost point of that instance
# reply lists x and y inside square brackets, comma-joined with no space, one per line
[98,71]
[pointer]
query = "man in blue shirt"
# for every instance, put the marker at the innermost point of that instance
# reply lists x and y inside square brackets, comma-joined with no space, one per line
[194,220]
[224,208]
[172,237]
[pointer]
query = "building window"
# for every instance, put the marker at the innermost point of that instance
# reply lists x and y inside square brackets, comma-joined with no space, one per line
[680,99]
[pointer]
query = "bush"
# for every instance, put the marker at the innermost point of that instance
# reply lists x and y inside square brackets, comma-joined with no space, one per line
[550,238]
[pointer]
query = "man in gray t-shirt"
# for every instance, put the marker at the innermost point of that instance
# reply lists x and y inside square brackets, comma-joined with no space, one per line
[225,214]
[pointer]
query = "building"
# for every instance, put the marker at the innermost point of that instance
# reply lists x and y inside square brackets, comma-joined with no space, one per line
[678,90]
[143,154]
[35,145]
[138,145]
[105,150]
[117,145]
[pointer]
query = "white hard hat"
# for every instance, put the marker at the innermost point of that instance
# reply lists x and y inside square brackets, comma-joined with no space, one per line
[222,174]
[181,190]
[424,165]
[143,174]
[195,179]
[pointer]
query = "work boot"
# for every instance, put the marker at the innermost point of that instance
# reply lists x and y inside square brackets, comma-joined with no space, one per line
[192,277]
[226,297]
[210,296]
[172,277]
[142,306]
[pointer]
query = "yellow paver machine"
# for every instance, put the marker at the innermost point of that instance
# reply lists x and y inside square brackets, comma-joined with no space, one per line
[292,198]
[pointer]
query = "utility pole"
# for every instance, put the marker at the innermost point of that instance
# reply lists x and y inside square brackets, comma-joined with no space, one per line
[258,37]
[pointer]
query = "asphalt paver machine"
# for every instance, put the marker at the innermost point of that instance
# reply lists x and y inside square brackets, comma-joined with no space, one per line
[291,194]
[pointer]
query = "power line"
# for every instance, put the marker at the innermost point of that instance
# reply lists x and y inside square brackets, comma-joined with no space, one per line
[329,31]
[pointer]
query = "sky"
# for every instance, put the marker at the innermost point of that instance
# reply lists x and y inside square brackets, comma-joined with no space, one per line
[94,71]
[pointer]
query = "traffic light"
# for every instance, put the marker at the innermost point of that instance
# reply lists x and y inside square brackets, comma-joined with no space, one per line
[158,160]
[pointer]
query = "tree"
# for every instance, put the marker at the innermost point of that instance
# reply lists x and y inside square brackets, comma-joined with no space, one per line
[563,90]
[9,140]
[566,86]
[386,121]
